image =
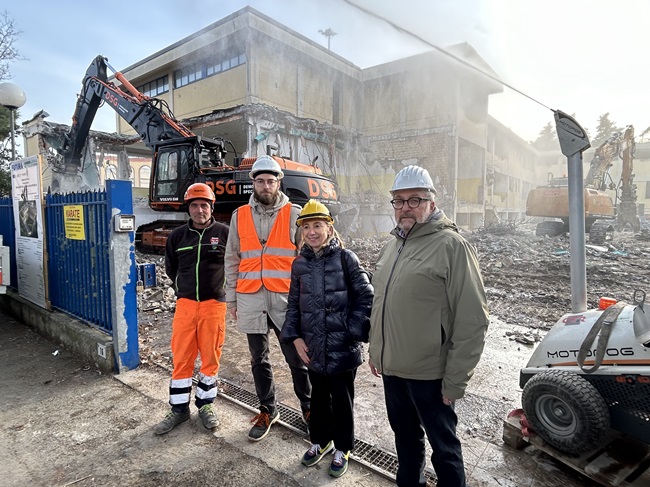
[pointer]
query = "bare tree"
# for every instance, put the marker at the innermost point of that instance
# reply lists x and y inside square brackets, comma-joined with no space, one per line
[8,36]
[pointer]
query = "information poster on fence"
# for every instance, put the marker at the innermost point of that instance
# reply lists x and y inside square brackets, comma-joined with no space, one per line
[73,222]
[28,217]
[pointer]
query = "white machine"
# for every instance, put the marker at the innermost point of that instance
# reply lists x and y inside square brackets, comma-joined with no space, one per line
[591,372]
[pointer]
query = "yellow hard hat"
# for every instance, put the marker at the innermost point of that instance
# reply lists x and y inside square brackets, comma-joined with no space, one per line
[314,210]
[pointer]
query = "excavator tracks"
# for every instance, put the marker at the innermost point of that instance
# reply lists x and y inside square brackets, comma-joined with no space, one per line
[601,232]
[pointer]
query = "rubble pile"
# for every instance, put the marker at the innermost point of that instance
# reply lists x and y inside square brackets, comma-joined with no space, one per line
[156,307]
[527,280]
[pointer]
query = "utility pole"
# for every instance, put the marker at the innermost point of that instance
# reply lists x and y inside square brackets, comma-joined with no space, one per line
[329,33]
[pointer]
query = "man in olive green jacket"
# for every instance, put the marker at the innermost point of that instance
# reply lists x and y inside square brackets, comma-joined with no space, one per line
[428,324]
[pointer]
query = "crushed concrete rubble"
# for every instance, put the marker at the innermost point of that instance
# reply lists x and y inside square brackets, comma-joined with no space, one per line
[528,281]
[527,278]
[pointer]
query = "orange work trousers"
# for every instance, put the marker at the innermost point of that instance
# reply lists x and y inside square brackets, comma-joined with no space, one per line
[198,327]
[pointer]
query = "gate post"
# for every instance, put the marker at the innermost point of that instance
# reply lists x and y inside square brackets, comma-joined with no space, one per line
[124,309]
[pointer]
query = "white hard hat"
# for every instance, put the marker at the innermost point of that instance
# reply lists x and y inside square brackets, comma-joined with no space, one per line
[266,164]
[413,177]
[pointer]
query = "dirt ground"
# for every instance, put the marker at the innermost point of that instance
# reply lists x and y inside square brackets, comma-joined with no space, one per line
[64,423]
[527,280]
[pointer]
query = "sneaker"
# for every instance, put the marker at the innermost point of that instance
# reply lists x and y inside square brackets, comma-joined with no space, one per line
[172,420]
[208,416]
[315,454]
[339,463]
[262,423]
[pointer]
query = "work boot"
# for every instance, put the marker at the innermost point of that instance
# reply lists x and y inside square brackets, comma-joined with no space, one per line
[172,420]
[262,423]
[208,417]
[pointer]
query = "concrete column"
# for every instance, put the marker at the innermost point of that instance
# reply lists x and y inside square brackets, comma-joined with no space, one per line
[124,309]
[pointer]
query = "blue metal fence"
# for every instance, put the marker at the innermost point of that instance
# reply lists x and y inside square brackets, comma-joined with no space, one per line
[8,232]
[79,270]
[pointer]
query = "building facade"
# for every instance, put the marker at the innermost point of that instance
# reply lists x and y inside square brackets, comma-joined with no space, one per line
[267,89]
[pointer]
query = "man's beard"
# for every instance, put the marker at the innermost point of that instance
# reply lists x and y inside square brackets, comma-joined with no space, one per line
[266,198]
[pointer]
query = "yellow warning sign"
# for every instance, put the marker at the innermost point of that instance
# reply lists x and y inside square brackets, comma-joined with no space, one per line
[73,218]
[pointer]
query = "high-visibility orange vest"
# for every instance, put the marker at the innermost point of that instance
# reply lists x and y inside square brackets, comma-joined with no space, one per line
[271,264]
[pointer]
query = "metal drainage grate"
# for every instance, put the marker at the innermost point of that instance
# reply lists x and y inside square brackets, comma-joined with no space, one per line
[374,458]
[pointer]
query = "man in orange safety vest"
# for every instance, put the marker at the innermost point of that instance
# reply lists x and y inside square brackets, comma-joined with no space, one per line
[259,254]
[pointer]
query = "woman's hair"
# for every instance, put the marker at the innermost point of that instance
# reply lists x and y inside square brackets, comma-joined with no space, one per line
[335,234]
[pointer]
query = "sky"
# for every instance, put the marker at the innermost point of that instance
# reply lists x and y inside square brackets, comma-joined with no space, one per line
[584,57]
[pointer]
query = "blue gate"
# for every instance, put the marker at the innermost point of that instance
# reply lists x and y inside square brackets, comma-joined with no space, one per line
[91,271]
[79,270]
[8,232]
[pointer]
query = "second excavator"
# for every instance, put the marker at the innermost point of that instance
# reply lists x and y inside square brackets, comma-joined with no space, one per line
[602,216]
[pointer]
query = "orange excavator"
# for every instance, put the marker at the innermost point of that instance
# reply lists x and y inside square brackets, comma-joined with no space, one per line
[601,216]
[180,157]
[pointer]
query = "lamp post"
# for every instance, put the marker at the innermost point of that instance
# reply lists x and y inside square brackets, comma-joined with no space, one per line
[12,97]
[329,33]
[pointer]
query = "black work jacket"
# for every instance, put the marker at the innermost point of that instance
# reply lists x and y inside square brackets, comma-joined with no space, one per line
[194,261]
[329,308]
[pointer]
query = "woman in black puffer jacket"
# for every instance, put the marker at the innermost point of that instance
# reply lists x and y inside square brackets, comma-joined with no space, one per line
[327,319]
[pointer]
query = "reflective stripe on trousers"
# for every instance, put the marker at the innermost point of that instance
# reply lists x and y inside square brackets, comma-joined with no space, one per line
[198,327]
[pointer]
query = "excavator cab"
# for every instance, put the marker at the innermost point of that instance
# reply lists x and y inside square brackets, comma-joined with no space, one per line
[553,182]
[177,164]
[172,165]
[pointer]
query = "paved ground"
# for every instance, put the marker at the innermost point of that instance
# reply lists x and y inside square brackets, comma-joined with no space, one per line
[62,423]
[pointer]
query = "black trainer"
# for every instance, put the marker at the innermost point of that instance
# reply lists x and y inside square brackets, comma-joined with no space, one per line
[262,423]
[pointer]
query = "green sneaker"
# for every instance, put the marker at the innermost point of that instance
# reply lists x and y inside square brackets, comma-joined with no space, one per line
[171,421]
[339,463]
[262,423]
[208,417]
[315,454]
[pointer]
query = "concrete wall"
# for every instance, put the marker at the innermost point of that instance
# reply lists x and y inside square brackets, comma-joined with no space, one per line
[223,90]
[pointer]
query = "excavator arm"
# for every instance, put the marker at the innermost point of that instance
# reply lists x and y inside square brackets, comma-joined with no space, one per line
[179,158]
[602,162]
[146,115]
[627,215]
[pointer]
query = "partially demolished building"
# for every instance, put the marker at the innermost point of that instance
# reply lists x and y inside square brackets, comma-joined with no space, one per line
[265,88]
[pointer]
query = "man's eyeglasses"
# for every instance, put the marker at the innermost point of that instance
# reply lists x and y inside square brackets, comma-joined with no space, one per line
[412,202]
[265,182]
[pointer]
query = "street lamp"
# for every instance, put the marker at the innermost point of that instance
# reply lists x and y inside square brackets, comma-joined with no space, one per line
[329,33]
[12,97]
